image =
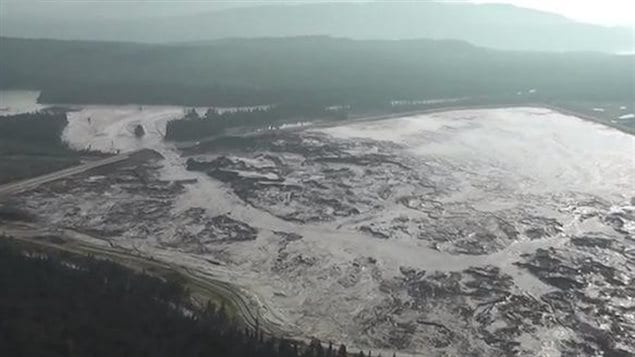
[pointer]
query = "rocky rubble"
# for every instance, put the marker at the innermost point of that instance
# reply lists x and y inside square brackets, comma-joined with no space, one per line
[442,236]
[133,203]
[593,299]
[309,178]
[482,303]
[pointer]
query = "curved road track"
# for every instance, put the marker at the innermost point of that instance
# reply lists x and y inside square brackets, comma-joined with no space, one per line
[202,285]
[203,288]
[32,183]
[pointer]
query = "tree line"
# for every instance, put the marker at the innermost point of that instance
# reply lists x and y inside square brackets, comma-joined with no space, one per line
[41,131]
[332,71]
[68,305]
[192,126]
[31,144]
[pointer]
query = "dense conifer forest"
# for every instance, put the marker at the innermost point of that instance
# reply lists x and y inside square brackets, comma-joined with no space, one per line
[324,70]
[193,126]
[31,144]
[67,305]
[41,131]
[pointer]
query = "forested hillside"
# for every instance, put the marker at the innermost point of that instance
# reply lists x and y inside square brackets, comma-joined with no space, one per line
[65,305]
[31,144]
[320,70]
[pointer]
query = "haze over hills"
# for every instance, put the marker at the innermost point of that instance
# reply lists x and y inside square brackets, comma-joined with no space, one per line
[317,69]
[403,177]
[489,25]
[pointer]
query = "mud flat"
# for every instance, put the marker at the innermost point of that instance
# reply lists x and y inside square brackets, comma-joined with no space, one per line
[480,232]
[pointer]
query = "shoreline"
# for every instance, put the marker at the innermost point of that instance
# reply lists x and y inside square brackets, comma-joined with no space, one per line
[557,109]
[588,117]
[322,123]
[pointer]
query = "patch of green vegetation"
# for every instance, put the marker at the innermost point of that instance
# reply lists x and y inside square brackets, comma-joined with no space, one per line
[31,145]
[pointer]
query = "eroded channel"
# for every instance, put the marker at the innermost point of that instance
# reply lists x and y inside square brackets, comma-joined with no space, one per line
[481,232]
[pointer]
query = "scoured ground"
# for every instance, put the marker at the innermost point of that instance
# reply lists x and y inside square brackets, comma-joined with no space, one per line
[483,232]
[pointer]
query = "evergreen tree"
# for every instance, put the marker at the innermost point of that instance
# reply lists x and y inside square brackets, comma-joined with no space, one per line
[342,351]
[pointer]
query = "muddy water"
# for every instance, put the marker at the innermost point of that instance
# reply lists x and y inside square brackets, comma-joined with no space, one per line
[537,150]
[533,151]
[19,101]
[528,152]
[111,129]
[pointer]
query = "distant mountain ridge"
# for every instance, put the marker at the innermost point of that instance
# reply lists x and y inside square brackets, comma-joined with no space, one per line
[321,70]
[490,25]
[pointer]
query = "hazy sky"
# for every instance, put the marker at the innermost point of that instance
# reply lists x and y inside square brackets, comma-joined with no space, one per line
[605,12]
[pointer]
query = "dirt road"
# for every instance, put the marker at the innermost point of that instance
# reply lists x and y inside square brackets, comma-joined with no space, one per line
[32,183]
[202,286]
